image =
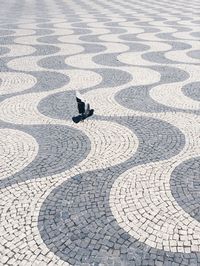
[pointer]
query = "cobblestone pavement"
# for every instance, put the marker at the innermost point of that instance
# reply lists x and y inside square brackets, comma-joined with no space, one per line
[122,188]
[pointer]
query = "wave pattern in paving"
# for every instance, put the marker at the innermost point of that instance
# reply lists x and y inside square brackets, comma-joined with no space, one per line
[122,188]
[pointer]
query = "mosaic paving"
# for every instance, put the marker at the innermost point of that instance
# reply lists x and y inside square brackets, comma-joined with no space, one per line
[122,188]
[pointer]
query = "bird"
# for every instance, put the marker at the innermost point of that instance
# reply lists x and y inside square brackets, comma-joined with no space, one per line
[83,108]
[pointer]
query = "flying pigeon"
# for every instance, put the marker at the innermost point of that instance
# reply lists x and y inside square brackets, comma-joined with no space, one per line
[83,109]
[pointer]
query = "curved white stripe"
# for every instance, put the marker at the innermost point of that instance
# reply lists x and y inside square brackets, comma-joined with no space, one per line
[19,50]
[22,109]
[20,206]
[28,63]
[69,49]
[27,40]
[81,79]
[171,95]
[182,57]
[23,32]
[81,61]
[111,143]
[152,37]
[135,58]
[17,150]
[103,99]
[143,205]
[185,35]
[15,82]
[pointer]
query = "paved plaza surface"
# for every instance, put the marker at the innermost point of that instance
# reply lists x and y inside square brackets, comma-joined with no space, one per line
[121,188]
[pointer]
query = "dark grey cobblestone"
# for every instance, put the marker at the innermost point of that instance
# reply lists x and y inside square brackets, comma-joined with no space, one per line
[60,147]
[185,186]
[89,224]
[192,90]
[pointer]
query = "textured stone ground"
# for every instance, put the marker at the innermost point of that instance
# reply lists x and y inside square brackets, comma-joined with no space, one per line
[122,188]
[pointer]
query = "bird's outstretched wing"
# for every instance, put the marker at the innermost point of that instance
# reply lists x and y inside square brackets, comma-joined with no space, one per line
[83,106]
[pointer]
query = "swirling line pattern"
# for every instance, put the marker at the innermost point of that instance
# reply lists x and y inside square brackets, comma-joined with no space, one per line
[122,188]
